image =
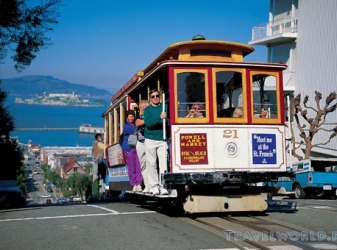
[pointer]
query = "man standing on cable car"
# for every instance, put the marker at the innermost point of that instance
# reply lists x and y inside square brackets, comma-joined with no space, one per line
[155,146]
[140,147]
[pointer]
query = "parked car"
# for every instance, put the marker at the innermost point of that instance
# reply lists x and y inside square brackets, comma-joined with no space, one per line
[62,200]
[109,198]
[48,201]
[92,198]
[49,188]
[70,199]
[11,195]
[77,199]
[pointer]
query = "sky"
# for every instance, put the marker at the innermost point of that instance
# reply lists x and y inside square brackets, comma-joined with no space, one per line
[102,43]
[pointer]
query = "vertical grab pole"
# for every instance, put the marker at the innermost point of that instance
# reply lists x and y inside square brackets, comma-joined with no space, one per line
[164,137]
[164,120]
[289,133]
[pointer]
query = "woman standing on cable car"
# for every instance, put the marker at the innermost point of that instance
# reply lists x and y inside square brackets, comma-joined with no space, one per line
[132,161]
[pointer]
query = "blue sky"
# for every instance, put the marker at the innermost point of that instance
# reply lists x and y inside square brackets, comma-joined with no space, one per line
[103,43]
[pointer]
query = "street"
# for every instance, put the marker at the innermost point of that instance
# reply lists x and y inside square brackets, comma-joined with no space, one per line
[122,225]
[99,226]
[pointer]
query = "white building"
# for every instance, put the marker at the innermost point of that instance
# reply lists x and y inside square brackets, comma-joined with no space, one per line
[53,155]
[64,95]
[302,34]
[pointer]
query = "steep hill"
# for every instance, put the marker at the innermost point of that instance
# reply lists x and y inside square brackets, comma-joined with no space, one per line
[37,85]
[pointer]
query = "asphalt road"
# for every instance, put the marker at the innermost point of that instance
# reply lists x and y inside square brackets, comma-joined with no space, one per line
[100,226]
[318,215]
[121,225]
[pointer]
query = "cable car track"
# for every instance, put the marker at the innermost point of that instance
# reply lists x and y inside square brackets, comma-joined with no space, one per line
[251,231]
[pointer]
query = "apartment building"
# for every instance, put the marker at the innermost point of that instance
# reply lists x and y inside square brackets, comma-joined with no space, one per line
[302,34]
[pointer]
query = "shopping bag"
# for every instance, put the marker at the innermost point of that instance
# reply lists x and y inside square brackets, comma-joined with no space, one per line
[99,158]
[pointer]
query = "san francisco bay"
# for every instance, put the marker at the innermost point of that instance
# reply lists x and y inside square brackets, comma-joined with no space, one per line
[43,116]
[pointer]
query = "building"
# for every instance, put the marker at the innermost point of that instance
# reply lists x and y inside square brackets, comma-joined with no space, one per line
[52,155]
[34,149]
[88,129]
[301,34]
[71,167]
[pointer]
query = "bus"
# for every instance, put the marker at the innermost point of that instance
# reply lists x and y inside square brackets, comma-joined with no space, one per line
[213,159]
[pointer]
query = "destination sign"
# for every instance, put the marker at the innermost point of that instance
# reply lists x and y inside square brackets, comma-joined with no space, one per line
[193,149]
[264,148]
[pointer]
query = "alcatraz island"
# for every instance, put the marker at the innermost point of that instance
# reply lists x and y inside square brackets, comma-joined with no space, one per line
[60,100]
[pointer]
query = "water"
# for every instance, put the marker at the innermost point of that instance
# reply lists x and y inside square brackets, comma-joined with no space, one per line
[40,116]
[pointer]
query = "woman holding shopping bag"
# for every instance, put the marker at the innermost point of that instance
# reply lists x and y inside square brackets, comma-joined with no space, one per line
[132,161]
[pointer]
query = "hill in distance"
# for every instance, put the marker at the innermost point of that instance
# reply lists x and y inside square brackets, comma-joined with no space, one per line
[38,85]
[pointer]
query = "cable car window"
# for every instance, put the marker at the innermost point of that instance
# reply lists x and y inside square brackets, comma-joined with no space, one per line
[265,96]
[229,94]
[191,95]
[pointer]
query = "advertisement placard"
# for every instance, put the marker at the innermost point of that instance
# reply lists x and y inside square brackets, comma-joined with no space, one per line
[115,156]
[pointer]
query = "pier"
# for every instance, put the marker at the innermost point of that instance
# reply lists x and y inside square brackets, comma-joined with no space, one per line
[44,129]
[85,128]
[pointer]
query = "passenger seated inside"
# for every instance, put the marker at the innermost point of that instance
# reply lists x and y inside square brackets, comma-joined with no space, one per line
[196,111]
[238,112]
[264,113]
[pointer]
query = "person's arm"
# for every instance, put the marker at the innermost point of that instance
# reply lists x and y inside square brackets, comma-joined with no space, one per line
[139,122]
[190,113]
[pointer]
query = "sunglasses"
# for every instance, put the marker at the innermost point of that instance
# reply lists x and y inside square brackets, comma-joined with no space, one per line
[154,96]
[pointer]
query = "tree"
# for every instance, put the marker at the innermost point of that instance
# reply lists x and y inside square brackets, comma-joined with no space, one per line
[71,183]
[52,176]
[80,183]
[316,124]
[45,167]
[10,162]
[84,182]
[88,168]
[25,28]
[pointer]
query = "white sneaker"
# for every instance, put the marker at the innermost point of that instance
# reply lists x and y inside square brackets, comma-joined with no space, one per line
[155,190]
[134,189]
[138,188]
[163,191]
[146,190]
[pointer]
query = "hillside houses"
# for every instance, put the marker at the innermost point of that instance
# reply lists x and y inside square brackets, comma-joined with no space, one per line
[67,160]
